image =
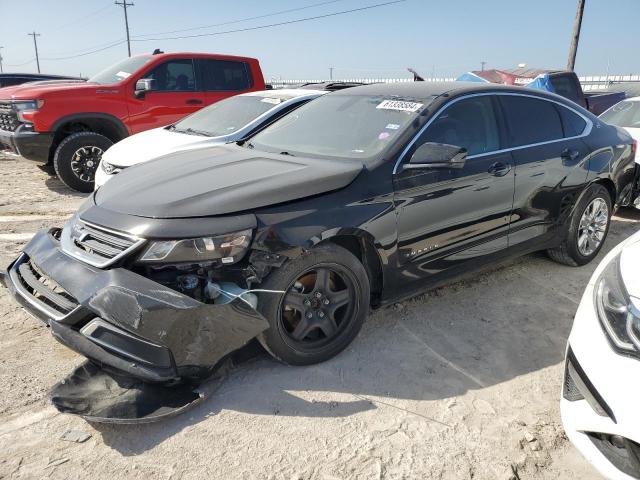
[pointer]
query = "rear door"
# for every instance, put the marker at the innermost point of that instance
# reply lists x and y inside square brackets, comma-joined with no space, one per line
[176,94]
[221,79]
[550,158]
[448,217]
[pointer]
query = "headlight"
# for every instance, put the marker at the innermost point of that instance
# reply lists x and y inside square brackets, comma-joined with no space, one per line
[617,314]
[24,106]
[109,169]
[224,248]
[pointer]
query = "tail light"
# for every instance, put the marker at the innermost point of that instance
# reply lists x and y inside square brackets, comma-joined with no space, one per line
[634,147]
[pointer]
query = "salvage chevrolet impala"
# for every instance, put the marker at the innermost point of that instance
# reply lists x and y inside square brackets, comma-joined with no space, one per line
[355,200]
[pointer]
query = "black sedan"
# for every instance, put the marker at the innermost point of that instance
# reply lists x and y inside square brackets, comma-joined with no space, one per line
[357,199]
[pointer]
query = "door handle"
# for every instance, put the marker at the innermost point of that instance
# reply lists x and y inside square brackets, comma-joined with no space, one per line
[193,101]
[568,154]
[499,169]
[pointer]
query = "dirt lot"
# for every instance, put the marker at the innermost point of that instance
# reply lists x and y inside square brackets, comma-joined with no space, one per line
[444,386]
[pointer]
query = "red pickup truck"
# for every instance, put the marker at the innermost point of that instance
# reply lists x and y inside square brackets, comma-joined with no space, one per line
[71,124]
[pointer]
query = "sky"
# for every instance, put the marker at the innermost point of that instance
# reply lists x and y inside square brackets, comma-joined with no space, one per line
[441,37]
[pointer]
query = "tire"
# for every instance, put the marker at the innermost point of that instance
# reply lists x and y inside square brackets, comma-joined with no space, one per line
[77,158]
[293,337]
[572,250]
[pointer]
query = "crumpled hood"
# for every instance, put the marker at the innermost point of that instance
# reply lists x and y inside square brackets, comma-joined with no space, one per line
[220,180]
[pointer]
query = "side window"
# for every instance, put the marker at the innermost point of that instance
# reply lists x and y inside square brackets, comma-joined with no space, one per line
[224,75]
[565,87]
[469,123]
[174,75]
[573,123]
[530,120]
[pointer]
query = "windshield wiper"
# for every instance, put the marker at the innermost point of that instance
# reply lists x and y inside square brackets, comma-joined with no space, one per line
[191,131]
[287,153]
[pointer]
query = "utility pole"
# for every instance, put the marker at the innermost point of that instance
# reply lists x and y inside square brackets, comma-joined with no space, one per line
[575,37]
[35,44]
[482,64]
[1,71]
[124,5]
[330,73]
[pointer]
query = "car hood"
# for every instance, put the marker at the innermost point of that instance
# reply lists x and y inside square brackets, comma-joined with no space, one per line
[154,143]
[28,91]
[220,180]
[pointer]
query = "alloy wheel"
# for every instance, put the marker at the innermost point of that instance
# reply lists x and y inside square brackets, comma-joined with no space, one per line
[318,307]
[593,226]
[85,161]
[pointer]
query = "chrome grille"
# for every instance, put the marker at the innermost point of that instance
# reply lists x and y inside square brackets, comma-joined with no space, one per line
[97,245]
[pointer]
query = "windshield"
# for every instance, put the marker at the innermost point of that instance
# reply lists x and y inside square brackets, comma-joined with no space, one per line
[120,70]
[340,125]
[624,114]
[227,116]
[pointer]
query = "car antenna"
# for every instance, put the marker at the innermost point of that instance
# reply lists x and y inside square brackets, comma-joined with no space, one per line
[157,51]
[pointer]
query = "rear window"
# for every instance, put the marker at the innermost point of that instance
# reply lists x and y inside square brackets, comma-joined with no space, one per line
[531,120]
[565,87]
[624,114]
[224,75]
[573,123]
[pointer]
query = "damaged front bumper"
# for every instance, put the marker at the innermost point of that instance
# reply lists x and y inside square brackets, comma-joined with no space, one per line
[124,321]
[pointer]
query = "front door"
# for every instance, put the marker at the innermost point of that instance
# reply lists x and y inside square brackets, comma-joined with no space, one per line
[175,94]
[448,217]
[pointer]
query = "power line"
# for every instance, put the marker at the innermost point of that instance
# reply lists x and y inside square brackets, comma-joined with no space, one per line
[240,19]
[35,44]
[84,17]
[20,64]
[260,27]
[124,5]
[115,44]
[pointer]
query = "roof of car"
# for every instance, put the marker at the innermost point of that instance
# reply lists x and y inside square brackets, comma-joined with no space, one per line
[430,89]
[285,93]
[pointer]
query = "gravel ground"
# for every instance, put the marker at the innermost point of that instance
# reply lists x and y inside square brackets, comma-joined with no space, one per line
[449,385]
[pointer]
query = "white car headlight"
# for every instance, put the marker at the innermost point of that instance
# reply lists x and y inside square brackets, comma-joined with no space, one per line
[620,319]
[108,168]
[227,248]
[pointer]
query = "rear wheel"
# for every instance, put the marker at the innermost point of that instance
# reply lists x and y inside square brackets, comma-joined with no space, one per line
[77,158]
[325,302]
[588,228]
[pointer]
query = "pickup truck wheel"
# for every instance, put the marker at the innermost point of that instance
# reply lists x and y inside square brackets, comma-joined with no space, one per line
[326,302]
[77,158]
[587,229]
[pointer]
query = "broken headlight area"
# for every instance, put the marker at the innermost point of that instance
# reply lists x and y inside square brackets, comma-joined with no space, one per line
[226,249]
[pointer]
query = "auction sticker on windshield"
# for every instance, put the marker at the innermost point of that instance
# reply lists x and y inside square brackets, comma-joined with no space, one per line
[400,105]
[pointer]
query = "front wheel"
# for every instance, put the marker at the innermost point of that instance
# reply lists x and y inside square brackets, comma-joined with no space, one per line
[587,229]
[77,158]
[325,302]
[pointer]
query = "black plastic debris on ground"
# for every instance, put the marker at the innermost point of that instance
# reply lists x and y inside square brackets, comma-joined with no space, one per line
[104,396]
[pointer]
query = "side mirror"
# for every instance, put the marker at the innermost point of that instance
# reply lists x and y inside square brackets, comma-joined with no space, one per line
[438,155]
[143,86]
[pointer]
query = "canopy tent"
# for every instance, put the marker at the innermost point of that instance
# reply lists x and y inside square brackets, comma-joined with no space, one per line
[530,78]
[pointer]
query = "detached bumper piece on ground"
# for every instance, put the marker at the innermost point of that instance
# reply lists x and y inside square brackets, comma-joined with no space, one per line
[149,346]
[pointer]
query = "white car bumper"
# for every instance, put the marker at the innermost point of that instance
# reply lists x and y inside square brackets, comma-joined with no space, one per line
[615,383]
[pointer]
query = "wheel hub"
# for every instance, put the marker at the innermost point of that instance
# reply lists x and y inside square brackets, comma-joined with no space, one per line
[317,307]
[593,226]
[84,162]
